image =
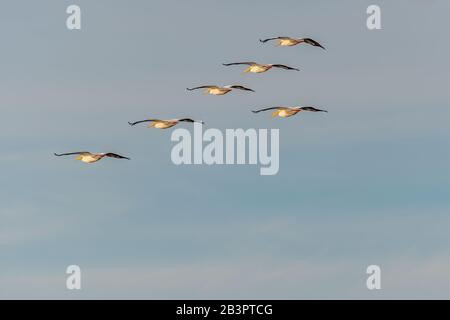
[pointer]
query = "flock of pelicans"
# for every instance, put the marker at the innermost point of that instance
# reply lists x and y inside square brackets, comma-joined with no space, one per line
[253,67]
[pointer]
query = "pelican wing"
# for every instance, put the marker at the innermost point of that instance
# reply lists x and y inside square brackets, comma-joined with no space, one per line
[312,42]
[201,87]
[241,88]
[115,155]
[141,121]
[189,120]
[249,63]
[270,39]
[266,109]
[71,153]
[312,109]
[282,66]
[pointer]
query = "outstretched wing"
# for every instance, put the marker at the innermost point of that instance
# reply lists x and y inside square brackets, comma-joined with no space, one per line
[71,153]
[249,63]
[270,39]
[201,87]
[266,109]
[189,120]
[115,155]
[282,66]
[313,42]
[141,121]
[312,109]
[242,88]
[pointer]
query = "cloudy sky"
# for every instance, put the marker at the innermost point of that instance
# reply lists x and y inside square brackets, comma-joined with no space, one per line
[367,183]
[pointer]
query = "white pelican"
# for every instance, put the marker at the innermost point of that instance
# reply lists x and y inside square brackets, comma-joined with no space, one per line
[258,68]
[285,112]
[163,124]
[89,157]
[219,91]
[286,41]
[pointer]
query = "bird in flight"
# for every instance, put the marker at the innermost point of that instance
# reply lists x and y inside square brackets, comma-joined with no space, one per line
[219,91]
[285,112]
[289,42]
[89,157]
[258,68]
[163,124]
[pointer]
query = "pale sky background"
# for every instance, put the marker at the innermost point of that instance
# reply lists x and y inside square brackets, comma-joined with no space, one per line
[367,183]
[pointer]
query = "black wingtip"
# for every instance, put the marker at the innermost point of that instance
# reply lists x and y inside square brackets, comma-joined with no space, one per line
[131,123]
[56,154]
[189,89]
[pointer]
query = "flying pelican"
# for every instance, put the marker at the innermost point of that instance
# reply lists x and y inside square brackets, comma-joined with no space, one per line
[219,91]
[286,41]
[89,157]
[285,112]
[163,124]
[258,68]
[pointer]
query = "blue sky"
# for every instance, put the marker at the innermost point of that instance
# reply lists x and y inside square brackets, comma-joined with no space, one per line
[366,183]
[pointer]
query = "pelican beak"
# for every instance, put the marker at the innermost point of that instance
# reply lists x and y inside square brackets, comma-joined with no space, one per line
[79,157]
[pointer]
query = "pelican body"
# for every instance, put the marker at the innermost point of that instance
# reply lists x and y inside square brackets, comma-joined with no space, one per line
[89,157]
[285,112]
[219,91]
[163,124]
[289,42]
[258,68]
[254,67]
